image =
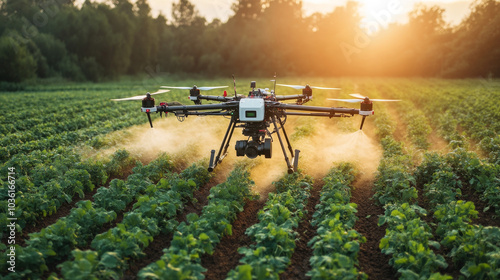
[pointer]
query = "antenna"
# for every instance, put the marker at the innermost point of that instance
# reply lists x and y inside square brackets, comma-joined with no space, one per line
[274,90]
[234,83]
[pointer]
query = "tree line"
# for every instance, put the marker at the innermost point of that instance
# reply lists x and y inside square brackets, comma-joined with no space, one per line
[96,41]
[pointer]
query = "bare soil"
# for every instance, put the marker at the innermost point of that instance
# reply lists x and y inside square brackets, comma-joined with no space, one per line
[371,259]
[226,256]
[300,259]
[162,241]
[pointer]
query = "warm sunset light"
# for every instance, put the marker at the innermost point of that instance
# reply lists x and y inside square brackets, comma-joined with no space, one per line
[249,139]
[455,9]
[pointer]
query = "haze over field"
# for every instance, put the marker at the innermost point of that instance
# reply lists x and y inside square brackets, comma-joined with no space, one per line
[100,40]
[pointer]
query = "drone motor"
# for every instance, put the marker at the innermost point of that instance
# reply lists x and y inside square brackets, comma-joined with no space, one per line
[193,95]
[307,91]
[366,108]
[148,101]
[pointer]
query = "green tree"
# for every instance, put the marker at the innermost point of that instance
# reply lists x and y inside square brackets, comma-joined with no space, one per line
[17,62]
[188,45]
[474,50]
[185,14]
[247,9]
[334,47]
[145,42]
[429,34]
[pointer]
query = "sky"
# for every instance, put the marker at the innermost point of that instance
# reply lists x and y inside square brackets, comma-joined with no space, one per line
[380,11]
[371,9]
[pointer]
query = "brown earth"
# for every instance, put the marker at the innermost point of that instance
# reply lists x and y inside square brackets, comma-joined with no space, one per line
[155,249]
[371,259]
[226,256]
[300,259]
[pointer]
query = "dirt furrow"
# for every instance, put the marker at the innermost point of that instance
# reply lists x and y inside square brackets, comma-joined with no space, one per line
[371,259]
[155,249]
[300,259]
[226,255]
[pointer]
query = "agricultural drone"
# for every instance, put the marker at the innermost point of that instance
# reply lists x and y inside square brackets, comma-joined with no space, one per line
[260,114]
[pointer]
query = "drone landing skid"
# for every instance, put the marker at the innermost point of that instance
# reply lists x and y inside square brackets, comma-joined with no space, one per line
[291,164]
[225,145]
[295,158]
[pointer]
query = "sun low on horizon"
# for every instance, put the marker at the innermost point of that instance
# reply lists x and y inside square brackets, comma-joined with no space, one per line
[455,10]
[398,10]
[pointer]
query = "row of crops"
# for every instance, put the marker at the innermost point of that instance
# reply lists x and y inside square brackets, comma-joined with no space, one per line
[409,238]
[423,242]
[62,119]
[429,198]
[59,117]
[155,209]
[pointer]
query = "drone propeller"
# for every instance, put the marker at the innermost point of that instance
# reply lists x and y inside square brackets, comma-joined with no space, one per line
[366,104]
[361,99]
[140,97]
[303,87]
[346,100]
[194,87]
[357,95]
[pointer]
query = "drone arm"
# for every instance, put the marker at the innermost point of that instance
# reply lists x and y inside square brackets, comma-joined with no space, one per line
[215,98]
[330,115]
[187,108]
[290,97]
[196,113]
[331,110]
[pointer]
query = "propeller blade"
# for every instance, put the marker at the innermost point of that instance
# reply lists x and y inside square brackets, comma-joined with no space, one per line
[385,100]
[303,87]
[139,97]
[160,91]
[347,100]
[210,88]
[325,88]
[292,86]
[176,87]
[200,88]
[357,95]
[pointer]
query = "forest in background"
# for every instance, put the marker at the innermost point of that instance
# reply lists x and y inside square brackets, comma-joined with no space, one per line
[101,41]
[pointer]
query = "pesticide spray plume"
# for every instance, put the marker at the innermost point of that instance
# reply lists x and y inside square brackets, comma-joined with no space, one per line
[267,171]
[329,146]
[193,139]
[185,142]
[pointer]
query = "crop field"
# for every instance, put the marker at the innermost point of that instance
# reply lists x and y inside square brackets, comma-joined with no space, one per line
[90,191]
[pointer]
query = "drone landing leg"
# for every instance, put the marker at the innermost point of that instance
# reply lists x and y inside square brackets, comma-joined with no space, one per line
[286,137]
[228,140]
[296,160]
[290,167]
[218,158]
